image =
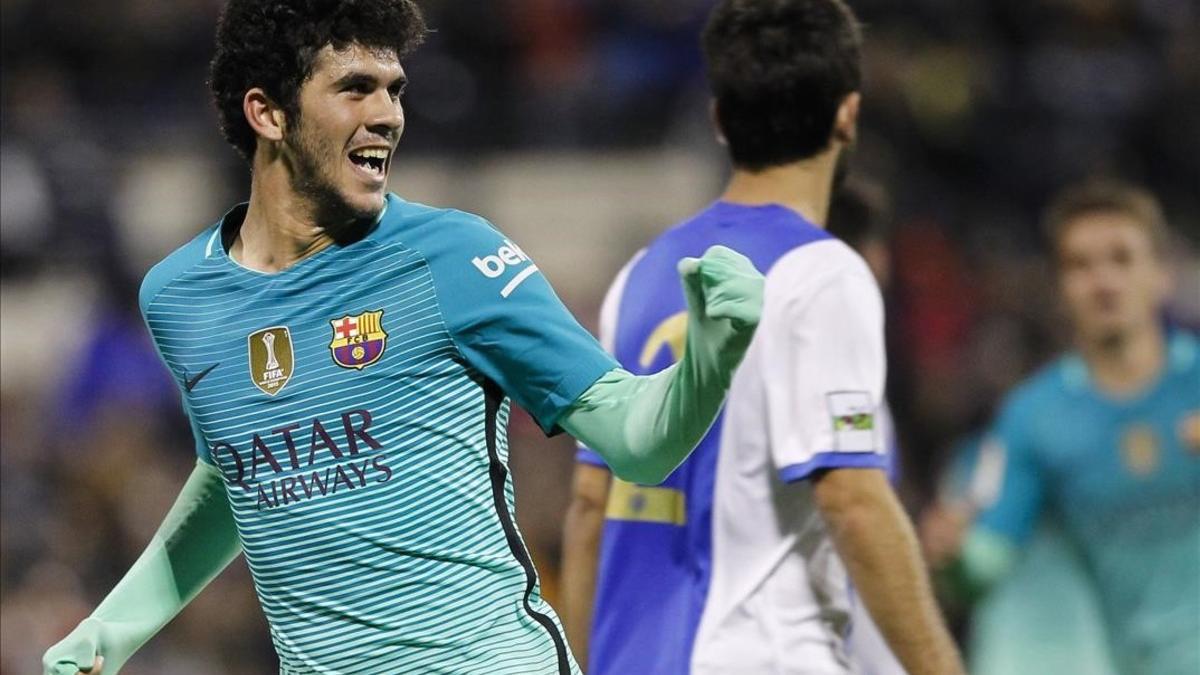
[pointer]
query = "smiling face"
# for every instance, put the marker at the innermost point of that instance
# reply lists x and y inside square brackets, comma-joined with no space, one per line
[339,148]
[1113,280]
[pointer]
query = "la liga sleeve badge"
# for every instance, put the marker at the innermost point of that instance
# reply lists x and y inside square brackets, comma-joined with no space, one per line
[358,341]
[853,420]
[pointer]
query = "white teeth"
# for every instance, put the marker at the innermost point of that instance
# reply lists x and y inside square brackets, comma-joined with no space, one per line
[372,153]
[373,160]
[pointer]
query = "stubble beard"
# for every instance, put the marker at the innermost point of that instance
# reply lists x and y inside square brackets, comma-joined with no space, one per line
[311,179]
[841,167]
[1111,340]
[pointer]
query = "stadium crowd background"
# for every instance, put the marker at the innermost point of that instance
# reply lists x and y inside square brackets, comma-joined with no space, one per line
[580,128]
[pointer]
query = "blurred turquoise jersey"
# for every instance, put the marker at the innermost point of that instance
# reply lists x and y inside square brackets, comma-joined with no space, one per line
[1123,479]
[1043,617]
[356,404]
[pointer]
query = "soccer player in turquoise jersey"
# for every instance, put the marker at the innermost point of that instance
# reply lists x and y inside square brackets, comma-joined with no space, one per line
[1106,439]
[1043,617]
[346,358]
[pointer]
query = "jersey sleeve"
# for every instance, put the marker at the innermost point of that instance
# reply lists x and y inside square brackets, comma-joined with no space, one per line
[610,314]
[509,324]
[154,282]
[1007,484]
[824,367]
[585,455]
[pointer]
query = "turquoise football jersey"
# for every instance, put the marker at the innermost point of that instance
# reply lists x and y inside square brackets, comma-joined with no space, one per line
[1043,617]
[356,404]
[1122,477]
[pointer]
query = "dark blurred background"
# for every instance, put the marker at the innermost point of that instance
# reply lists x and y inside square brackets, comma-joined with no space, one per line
[580,128]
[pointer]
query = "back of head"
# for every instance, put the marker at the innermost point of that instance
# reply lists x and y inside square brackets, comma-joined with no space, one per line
[272,44]
[779,70]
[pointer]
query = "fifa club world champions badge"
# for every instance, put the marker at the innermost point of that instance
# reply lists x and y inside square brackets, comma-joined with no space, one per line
[358,341]
[271,359]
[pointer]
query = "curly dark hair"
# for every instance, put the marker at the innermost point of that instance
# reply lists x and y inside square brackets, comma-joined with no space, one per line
[779,69]
[272,44]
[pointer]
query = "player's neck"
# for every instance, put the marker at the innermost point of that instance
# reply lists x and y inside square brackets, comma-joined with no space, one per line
[803,187]
[1128,365]
[280,228]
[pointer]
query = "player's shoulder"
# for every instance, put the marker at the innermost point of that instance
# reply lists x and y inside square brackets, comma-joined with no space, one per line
[179,262]
[820,261]
[1183,353]
[433,229]
[1047,388]
[818,267]
[761,232]
[470,260]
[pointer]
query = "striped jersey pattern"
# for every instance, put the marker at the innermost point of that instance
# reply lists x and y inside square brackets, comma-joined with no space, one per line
[356,406]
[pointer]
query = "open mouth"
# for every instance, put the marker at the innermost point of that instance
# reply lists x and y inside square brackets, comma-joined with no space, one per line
[372,161]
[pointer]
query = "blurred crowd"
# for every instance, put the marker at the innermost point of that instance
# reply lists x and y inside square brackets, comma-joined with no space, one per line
[974,113]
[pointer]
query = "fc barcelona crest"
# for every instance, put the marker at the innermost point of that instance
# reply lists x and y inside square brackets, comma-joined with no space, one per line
[358,341]
[271,358]
[1139,449]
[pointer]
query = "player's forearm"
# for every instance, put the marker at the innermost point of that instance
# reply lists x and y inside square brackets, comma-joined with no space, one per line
[196,540]
[581,556]
[644,427]
[876,542]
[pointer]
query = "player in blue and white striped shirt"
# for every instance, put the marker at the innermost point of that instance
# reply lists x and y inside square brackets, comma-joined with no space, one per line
[346,358]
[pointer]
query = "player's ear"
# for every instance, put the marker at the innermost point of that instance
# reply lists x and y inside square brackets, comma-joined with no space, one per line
[715,117]
[264,116]
[845,125]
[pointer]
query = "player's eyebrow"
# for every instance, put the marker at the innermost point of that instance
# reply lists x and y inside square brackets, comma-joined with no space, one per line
[365,80]
[356,80]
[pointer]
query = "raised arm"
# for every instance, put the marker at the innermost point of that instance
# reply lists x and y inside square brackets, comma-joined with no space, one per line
[644,427]
[196,540]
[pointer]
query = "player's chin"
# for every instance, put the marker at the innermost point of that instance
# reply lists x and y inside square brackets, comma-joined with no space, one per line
[1107,330]
[364,200]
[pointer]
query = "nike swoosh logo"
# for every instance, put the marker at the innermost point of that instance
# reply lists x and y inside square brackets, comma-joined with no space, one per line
[189,384]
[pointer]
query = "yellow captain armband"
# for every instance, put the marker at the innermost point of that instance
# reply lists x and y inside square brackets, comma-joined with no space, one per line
[641,503]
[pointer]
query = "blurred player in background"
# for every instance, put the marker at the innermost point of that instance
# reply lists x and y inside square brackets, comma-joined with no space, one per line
[1106,439]
[751,533]
[346,358]
[1044,617]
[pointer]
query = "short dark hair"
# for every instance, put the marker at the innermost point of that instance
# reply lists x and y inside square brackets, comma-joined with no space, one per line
[1106,195]
[272,44]
[779,70]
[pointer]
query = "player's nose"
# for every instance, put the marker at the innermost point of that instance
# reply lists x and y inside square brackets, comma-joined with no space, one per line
[385,116]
